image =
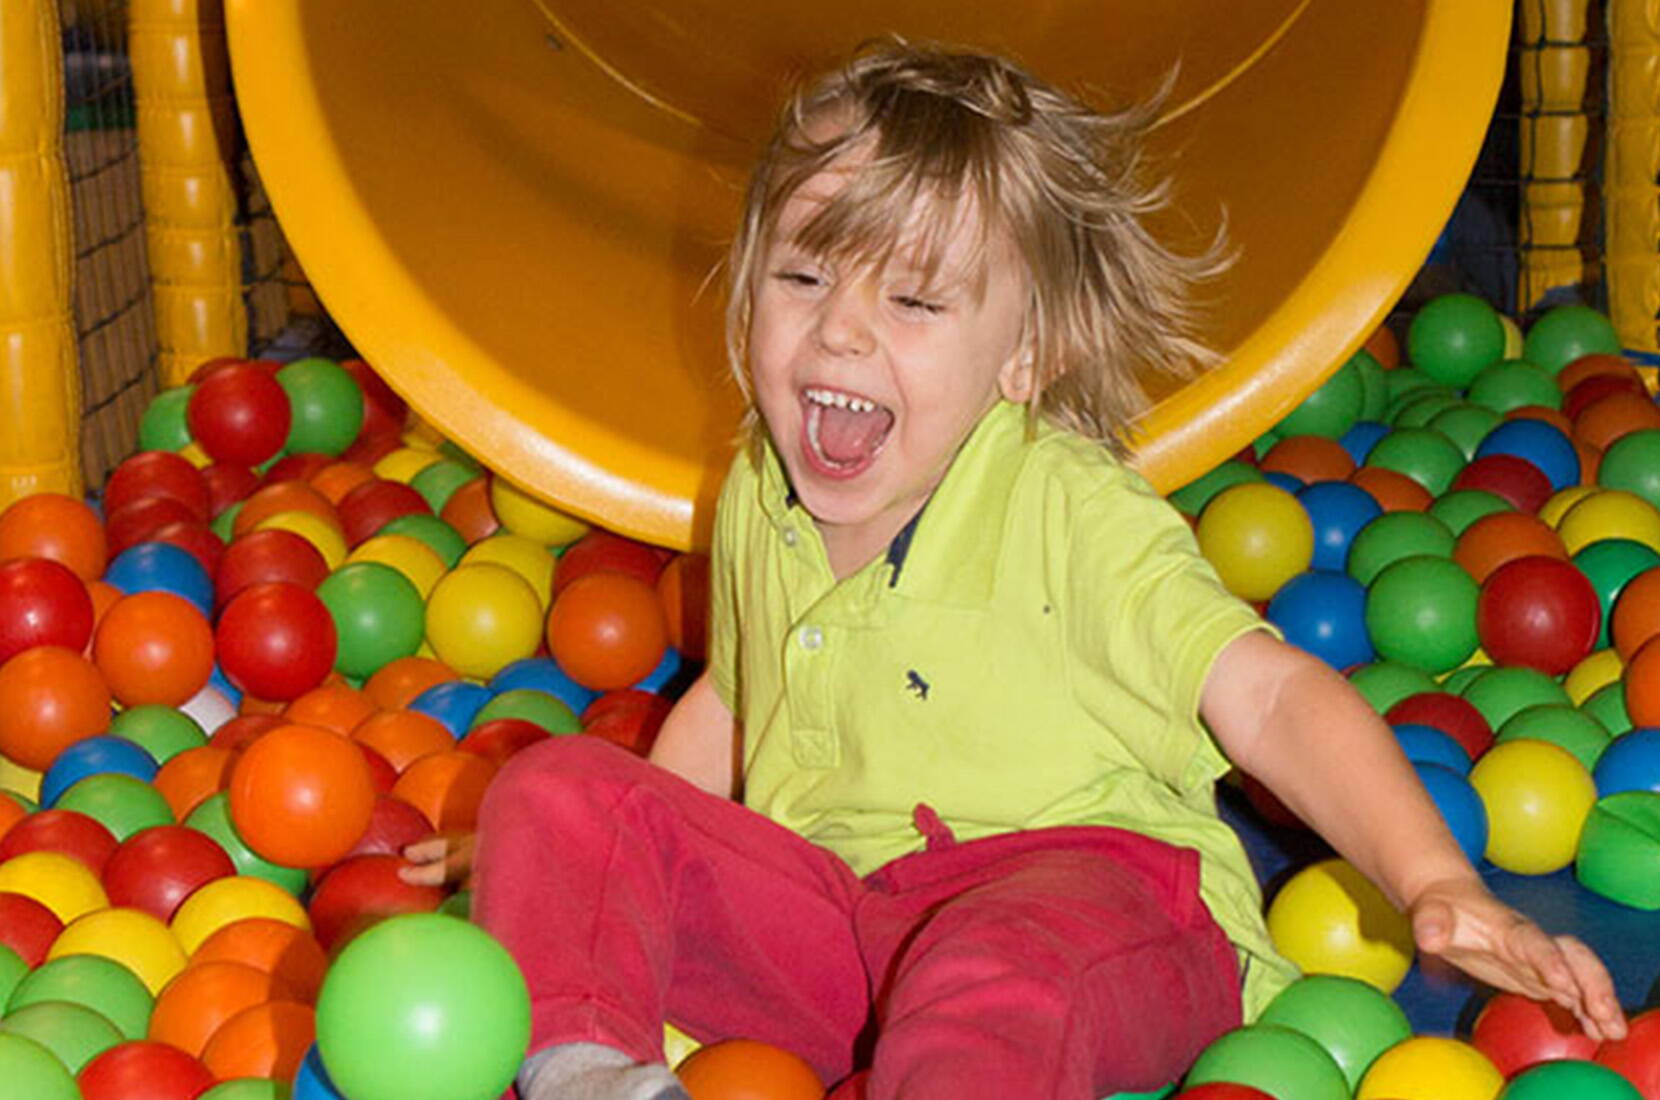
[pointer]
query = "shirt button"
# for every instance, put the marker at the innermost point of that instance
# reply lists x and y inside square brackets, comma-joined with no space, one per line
[790,537]
[811,637]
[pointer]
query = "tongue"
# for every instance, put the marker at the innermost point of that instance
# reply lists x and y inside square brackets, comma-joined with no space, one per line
[847,437]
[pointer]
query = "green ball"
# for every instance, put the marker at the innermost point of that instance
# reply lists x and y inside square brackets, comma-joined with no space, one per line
[1458,679]
[1607,705]
[327,404]
[1330,410]
[247,1088]
[163,426]
[1610,564]
[120,803]
[536,707]
[29,1069]
[159,730]
[1385,683]
[438,482]
[443,538]
[1419,407]
[224,524]
[213,817]
[1566,727]
[1191,498]
[1569,1078]
[12,970]
[1462,507]
[1453,337]
[1422,454]
[1566,333]
[74,1033]
[1351,1020]
[1619,849]
[94,982]
[1393,536]
[1513,384]
[1405,380]
[1374,385]
[1264,443]
[1156,1094]
[1275,1059]
[1466,425]
[1422,612]
[378,615]
[423,1005]
[1632,463]
[458,905]
[1502,693]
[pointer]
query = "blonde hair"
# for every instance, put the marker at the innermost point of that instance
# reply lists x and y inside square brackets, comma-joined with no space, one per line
[1065,184]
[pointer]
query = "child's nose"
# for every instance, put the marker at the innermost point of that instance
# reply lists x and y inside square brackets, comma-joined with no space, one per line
[845,320]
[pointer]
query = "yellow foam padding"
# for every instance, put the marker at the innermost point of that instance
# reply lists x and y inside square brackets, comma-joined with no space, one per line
[513,207]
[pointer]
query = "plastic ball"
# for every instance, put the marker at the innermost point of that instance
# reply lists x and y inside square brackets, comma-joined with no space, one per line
[444,540]
[154,648]
[1461,807]
[418,562]
[453,703]
[1422,454]
[95,982]
[1630,763]
[267,1041]
[482,617]
[33,1070]
[1632,463]
[321,532]
[371,506]
[539,707]
[1514,480]
[313,1082]
[1392,537]
[1310,458]
[1421,611]
[144,1071]
[124,804]
[607,629]
[1636,617]
[55,527]
[1351,1020]
[50,698]
[156,869]
[448,787]
[1338,511]
[378,616]
[239,414]
[543,674]
[1563,726]
[737,1068]
[1609,565]
[1516,1032]
[1324,613]
[131,937]
[1452,337]
[1329,919]
[1466,425]
[1512,384]
[63,831]
[1565,333]
[213,818]
[423,1004]
[1613,416]
[162,567]
[1539,612]
[1278,1060]
[1607,514]
[1637,1056]
[1385,683]
[1192,498]
[524,515]
[74,1033]
[1503,537]
[1537,797]
[156,474]
[227,900]
[1578,1078]
[1428,745]
[1539,443]
[42,602]
[1456,717]
[27,926]
[1431,1068]
[276,640]
[301,796]
[360,892]
[99,755]
[439,481]
[289,954]
[327,406]
[1394,491]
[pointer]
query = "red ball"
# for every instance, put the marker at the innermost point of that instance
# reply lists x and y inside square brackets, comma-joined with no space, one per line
[1588,392]
[1457,718]
[260,557]
[244,730]
[1636,1057]
[157,868]
[66,832]
[42,602]
[602,550]
[393,826]
[1514,479]
[374,504]
[195,539]
[240,414]
[631,719]
[1515,1032]
[1218,1090]
[370,448]
[361,892]
[27,927]
[157,474]
[228,484]
[134,523]
[208,367]
[1540,612]
[382,775]
[296,467]
[276,641]
[143,1070]
[384,412]
[500,738]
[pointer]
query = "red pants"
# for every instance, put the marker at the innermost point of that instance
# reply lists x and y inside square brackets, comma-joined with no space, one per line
[1066,963]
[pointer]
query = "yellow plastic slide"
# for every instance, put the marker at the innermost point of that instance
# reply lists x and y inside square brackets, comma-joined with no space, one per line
[514,207]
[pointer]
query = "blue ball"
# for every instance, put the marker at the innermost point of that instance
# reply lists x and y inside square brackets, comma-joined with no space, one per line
[1631,762]
[221,683]
[665,672]
[1540,443]
[1291,483]
[1428,745]
[312,1082]
[90,756]
[1338,511]
[1360,439]
[1325,614]
[1461,807]
[543,674]
[162,567]
[454,703]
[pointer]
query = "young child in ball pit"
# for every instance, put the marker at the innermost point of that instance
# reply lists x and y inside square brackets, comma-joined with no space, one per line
[940,810]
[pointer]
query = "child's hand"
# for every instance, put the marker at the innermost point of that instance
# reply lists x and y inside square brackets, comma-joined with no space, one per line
[1464,923]
[442,860]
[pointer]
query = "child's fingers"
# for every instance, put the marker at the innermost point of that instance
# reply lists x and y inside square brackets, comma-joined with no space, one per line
[429,850]
[423,874]
[1601,1003]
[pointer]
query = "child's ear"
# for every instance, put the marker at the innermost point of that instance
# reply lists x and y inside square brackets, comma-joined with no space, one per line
[1016,381]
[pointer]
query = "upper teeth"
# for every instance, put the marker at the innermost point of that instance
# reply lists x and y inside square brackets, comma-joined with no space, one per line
[840,400]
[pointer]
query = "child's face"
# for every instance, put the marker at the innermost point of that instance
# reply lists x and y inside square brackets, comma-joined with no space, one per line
[869,382]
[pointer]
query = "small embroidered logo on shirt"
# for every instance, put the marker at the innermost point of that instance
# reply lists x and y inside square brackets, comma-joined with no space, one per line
[916,683]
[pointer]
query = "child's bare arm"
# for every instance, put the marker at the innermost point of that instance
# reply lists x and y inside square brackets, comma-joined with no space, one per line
[699,740]
[1294,723]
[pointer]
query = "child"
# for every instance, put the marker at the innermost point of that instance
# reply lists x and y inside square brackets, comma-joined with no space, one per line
[968,650]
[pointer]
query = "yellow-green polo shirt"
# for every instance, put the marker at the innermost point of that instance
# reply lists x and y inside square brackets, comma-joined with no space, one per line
[1028,653]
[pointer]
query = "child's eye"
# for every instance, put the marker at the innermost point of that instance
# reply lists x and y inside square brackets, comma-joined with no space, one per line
[798,278]
[918,305]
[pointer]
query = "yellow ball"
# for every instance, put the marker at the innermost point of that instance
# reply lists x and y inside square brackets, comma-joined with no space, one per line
[526,557]
[192,453]
[62,884]
[1593,673]
[483,617]
[1513,340]
[404,463]
[1258,536]
[421,435]
[1560,501]
[227,900]
[1610,514]
[1537,797]
[523,514]
[322,534]
[15,777]
[1329,919]
[407,554]
[131,937]
[1431,1068]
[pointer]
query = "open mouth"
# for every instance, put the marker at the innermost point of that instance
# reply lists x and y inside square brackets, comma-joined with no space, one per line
[844,432]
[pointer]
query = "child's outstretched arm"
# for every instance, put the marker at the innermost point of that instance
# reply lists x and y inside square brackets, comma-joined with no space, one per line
[1291,721]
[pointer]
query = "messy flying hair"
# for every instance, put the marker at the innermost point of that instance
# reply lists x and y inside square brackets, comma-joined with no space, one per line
[1065,185]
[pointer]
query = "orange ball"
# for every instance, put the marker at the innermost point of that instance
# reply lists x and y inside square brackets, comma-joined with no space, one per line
[1593,366]
[403,736]
[1394,491]
[606,630]
[268,1040]
[1502,537]
[284,496]
[746,1069]
[447,787]
[339,708]
[1385,348]
[1609,418]
[56,526]
[1636,616]
[398,682]
[1642,685]
[337,479]
[291,955]
[1309,458]
[154,647]
[104,595]
[202,996]
[469,511]
[193,776]
[50,697]
[683,590]
[11,812]
[301,796]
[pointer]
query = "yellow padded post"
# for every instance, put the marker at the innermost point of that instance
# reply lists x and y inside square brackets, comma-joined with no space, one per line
[1631,199]
[1554,61]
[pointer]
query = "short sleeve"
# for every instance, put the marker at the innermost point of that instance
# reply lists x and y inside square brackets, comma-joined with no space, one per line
[1148,618]
[723,590]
